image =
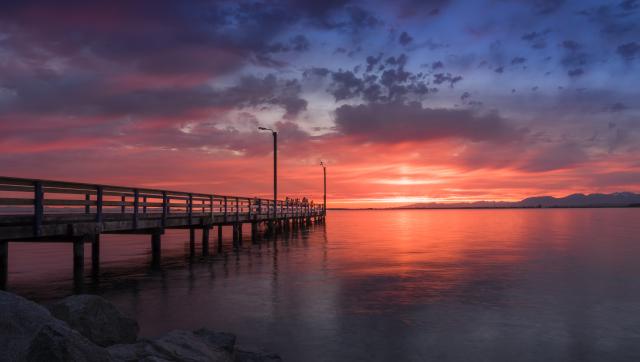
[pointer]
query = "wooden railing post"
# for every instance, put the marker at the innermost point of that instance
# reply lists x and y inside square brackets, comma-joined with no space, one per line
[87,199]
[136,205]
[190,208]
[237,209]
[99,201]
[249,212]
[225,209]
[123,199]
[144,205]
[259,207]
[211,206]
[38,208]
[165,208]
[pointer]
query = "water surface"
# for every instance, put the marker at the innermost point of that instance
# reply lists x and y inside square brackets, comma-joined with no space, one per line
[415,285]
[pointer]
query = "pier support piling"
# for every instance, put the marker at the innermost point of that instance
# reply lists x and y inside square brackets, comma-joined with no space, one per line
[192,241]
[78,260]
[254,232]
[95,254]
[4,264]
[219,238]
[156,238]
[205,241]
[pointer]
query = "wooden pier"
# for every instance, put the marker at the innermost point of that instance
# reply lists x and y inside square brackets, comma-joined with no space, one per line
[53,211]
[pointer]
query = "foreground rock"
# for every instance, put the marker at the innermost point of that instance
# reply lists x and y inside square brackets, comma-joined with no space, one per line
[173,346]
[28,332]
[97,319]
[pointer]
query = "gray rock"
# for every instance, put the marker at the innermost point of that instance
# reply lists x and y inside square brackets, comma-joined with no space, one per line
[226,341]
[174,346]
[28,332]
[242,355]
[97,319]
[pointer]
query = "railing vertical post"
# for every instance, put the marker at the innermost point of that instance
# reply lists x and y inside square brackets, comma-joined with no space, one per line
[165,208]
[136,205]
[211,206]
[99,202]
[190,208]
[87,199]
[249,212]
[144,205]
[237,209]
[123,199]
[225,209]
[259,207]
[38,208]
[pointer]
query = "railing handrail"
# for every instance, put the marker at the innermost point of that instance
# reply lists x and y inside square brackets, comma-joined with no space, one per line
[67,187]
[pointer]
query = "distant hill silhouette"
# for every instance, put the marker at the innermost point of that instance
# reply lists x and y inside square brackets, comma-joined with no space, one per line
[616,199]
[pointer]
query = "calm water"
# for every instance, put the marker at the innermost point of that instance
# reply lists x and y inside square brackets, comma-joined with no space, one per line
[457,285]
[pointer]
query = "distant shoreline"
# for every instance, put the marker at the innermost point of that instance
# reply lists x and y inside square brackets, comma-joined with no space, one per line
[483,208]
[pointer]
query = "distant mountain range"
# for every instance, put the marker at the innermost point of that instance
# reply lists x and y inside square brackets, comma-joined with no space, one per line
[616,199]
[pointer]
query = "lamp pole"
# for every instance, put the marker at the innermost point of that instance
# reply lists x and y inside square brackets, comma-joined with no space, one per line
[275,168]
[324,172]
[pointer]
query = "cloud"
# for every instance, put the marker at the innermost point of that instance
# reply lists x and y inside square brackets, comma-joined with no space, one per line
[575,72]
[628,51]
[62,94]
[553,157]
[537,40]
[411,122]
[405,38]
[384,80]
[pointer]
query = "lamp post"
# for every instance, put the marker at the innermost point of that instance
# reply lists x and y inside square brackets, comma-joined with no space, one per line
[275,168]
[324,172]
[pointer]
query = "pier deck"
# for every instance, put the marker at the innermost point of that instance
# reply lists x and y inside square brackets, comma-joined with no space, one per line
[53,211]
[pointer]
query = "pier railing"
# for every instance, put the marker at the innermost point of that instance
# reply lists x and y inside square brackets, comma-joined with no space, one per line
[40,200]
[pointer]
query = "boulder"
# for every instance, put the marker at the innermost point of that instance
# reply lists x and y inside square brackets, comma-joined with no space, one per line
[243,355]
[97,319]
[175,346]
[226,341]
[28,332]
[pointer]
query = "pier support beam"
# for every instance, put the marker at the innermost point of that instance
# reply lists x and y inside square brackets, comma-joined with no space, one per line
[219,238]
[4,264]
[155,248]
[205,241]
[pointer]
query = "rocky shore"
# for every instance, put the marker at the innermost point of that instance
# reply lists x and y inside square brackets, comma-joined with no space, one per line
[89,328]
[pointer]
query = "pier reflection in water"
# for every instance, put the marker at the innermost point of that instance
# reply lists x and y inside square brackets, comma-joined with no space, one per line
[492,285]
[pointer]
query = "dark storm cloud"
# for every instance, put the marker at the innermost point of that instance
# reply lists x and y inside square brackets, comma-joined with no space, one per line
[402,122]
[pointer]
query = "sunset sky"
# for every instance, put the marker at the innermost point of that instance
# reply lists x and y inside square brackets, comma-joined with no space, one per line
[406,101]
